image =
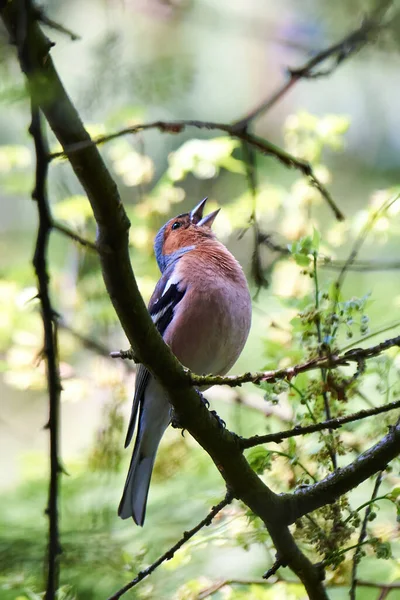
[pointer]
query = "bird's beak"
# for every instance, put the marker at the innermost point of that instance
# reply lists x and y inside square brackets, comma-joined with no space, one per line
[209,219]
[197,213]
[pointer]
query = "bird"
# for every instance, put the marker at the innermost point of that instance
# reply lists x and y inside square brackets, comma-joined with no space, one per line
[201,306]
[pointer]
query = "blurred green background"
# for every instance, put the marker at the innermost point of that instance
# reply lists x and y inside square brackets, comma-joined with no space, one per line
[143,60]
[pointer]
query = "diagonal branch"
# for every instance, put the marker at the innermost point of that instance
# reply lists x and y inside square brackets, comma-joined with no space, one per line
[338,52]
[170,553]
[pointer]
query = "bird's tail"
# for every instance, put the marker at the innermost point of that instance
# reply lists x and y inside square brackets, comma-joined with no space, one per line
[134,499]
[153,421]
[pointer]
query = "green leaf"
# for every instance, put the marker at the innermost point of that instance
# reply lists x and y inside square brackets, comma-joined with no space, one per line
[259,460]
[394,493]
[302,260]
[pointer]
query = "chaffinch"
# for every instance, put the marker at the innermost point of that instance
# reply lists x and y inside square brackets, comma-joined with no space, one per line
[201,306]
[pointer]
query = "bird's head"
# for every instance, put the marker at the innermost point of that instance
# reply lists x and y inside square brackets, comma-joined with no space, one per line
[183,233]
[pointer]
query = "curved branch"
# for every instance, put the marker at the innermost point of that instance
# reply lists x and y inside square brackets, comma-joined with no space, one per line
[260,144]
[343,480]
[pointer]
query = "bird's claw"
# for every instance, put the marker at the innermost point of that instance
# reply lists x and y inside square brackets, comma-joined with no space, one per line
[221,422]
[175,423]
[204,400]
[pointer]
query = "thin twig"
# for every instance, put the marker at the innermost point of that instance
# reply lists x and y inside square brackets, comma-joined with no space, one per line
[88,342]
[339,51]
[361,538]
[357,246]
[41,16]
[50,349]
[361,265]
[332,424]
[331,559]
[329,263]
[374,333]
[327,408]
[74,236]
[251,174]
[372,584]
[170,553]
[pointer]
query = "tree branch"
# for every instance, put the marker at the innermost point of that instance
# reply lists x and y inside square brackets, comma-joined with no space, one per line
[339,52]
[260,144]
[50,350]
[170,553]
[336,484]
[326,362]
[336,423]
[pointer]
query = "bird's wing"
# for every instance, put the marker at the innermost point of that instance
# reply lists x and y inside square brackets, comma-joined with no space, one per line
[166,296]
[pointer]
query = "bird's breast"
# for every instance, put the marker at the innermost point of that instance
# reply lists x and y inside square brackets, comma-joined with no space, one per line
[212,322]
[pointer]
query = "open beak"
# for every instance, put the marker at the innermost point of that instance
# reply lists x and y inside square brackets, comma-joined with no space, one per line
[197,213]
[209,219]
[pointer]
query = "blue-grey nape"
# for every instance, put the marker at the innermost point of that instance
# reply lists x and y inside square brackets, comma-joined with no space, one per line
[164,260]
[158,248]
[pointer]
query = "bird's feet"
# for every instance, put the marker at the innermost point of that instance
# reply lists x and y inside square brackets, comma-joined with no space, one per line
[221,422]
[175,423]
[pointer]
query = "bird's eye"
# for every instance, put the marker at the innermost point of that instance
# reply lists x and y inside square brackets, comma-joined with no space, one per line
[176,225]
